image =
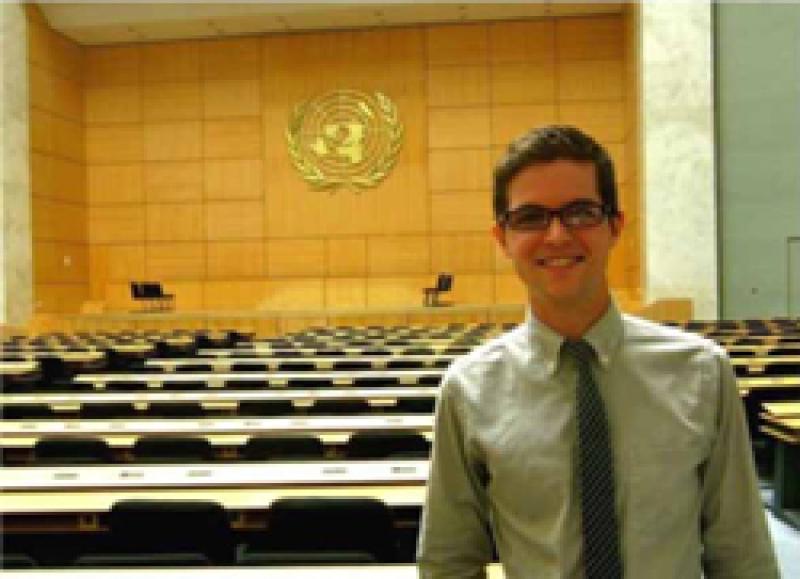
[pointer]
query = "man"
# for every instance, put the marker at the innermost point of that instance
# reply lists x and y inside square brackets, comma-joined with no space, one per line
[586,443]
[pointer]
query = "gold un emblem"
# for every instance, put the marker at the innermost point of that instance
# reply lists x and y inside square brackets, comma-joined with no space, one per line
[344,138]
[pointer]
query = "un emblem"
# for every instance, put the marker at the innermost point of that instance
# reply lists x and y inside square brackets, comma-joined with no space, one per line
[344,138]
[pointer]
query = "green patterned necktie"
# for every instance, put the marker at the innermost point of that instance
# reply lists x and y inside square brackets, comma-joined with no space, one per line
[595,469]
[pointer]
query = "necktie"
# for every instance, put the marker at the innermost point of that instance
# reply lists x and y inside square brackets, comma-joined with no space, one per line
[595,469]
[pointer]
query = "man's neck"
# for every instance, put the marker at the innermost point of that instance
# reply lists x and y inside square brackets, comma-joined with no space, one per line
[570,320]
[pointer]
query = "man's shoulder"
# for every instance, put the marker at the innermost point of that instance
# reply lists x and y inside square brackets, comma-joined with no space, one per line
[669,338]
[496,350]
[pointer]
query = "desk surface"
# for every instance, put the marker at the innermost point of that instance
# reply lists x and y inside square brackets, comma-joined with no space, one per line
[379,393]
[218,431]
[222,364]
[494,571]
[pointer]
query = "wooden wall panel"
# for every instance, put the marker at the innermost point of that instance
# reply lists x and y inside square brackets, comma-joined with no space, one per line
[114,184]
[175,261]
[398,255]
[173,181]
[233,179]
[346,257]
[350,292]
[295,258]
[113,104]
[231,98]
[235,220]
[171,222]
[174,101]
[173,141]
[188,170]
[57,169]
[236,259]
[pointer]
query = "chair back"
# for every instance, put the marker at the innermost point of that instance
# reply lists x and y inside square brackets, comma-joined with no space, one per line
[386,444]
[444,282]
[287,447]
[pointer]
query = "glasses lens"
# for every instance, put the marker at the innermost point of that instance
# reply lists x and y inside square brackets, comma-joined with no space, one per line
[582,215]
[528,217]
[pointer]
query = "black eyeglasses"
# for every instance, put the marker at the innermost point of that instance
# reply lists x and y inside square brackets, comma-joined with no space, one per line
[575,215]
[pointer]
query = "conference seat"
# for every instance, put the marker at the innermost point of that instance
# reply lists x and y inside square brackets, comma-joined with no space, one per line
[249,367]
[17,561]
[166,449]
[387,444]
[246,384]
[266,408]
[338,407]
[27,411]
[192,367]
[62,450]
[126,386]
[283,448]
[413,405]
[184,385]
[319,530]
[175,410]
[104,560]
[108,410]
[165,533]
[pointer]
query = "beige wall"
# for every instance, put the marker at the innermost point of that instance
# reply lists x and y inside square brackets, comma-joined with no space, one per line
[188,179]
[58,198]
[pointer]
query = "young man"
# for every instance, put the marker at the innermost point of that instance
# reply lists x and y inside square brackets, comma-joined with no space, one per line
[584,442]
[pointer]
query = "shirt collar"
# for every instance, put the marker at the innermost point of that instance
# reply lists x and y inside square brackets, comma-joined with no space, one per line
[604,336]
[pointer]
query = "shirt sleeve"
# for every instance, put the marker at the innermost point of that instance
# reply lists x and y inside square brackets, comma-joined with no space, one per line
[736,539]
[455,541]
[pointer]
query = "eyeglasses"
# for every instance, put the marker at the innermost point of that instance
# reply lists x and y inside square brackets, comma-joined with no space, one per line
[575,215]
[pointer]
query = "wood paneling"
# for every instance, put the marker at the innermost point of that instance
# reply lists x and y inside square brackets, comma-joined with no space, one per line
[346,257]
[234,220]
[466,44]
[175,261]
[462,211]
[114,144]
[113,104]
[232,139]
[295,258]
[231,98]
[175,222]
[236,259]
[114,184]
[529,41]
[173,181]
[233,179]
[460,169]
[174,101]
[173,141]
[171,61]
[189,179]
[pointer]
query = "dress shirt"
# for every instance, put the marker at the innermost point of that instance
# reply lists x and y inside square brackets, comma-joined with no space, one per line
[503,463]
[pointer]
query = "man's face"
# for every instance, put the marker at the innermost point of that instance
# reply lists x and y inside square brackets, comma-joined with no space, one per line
[561,266]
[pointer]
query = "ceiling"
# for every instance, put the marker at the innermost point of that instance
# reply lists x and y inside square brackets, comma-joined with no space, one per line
[100,23]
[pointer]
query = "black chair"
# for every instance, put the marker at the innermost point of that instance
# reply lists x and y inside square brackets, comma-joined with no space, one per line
[387,444]
[312,530]
[108,410]
[103,560]
[287,447]
[175,410]
[155,293]
[414,405]
[333,406]
[61,450]
[26,411]
[166,449]
[444,283]
[266,408]
[17,561]
[168,533]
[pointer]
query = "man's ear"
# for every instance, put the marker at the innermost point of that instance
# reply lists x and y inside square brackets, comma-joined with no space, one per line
[616,224]
[499,233]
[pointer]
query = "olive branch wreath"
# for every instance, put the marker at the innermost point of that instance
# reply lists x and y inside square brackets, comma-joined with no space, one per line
[317,178]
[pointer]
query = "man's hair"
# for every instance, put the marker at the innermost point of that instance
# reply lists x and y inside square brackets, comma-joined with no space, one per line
[553,143]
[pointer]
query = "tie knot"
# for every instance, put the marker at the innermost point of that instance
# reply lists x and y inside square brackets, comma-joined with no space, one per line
[581,350]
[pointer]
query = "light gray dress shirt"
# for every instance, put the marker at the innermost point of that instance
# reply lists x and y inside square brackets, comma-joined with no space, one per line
[505,444]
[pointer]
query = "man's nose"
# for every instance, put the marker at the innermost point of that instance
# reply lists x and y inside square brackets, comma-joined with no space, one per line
[556,231]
